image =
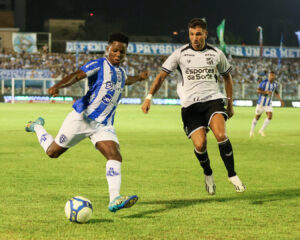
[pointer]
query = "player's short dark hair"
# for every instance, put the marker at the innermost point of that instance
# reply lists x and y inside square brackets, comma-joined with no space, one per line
[201,22]
[272,71]
[119,37]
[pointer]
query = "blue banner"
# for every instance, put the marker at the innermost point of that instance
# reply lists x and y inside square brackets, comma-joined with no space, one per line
[268,52]
[24,73]
[134,47]
[168,48]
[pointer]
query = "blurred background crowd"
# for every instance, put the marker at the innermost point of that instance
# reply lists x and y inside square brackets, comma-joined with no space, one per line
[245,70]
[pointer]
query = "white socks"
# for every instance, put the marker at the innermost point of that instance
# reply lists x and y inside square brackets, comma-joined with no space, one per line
[254,122]
[266,123]
[113,176]
[44,138]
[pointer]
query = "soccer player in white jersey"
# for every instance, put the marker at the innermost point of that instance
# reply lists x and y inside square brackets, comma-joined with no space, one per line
[202,102]
[266,90]
[93,115]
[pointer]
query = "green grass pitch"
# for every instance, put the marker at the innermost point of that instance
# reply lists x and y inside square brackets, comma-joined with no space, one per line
[159,166]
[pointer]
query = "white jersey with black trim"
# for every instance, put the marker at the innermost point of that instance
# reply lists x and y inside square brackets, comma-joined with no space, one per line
[199,73]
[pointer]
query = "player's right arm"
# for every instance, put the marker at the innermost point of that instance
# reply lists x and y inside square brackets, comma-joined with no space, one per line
[279,98]
[169,65]
[86,70]
[66,82]
[154,88]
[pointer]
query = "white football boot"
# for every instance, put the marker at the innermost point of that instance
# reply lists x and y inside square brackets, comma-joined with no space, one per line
[210,184]
[262,133]
[237,183]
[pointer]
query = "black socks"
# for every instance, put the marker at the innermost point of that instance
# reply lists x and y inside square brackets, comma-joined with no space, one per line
[227,157]
[204,162]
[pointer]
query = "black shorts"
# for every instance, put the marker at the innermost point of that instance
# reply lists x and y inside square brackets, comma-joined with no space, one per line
[198,115]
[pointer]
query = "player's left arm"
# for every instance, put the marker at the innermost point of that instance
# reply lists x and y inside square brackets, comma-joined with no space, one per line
[224,69]
[228,88]
[66,82]
[279,98]
[141,77]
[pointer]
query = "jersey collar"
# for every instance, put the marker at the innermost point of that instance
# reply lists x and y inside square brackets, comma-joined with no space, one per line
[203,49]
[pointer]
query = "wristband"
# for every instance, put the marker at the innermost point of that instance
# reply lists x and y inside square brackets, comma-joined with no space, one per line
[149,96]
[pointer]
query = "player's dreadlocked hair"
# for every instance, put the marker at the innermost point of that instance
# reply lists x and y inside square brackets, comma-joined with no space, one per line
[201,22]
[120,37]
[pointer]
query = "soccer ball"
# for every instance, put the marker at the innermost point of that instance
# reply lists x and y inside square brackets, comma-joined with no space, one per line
[79,209]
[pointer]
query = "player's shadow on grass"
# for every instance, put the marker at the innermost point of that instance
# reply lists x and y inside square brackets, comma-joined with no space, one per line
[260,197]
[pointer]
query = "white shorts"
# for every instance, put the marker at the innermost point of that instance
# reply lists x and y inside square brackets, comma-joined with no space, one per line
[260,109]
[77,127]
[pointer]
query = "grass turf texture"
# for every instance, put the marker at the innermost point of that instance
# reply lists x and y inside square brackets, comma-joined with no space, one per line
[159,166]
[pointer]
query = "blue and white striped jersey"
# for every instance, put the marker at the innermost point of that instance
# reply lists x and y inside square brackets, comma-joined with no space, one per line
[106,83]
[265,99]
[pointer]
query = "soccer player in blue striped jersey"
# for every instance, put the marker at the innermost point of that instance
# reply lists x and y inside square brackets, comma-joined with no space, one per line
[93,115]
[266,90]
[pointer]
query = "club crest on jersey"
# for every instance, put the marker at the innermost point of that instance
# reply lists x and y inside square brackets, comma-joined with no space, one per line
[62,138]
[109,86]
[188,61]
[209,61]
[107,99]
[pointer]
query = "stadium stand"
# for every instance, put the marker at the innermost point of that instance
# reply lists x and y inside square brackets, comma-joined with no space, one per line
[245,71]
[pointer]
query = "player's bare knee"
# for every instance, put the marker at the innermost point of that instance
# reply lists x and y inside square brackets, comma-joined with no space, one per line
[54,151]
[53,154]
[221,137]
[117,156]
[112,154]
[200,145]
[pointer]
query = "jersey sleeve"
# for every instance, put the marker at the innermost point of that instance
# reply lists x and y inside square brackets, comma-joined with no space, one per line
[172,62]
[223,65]
[262,85]
[91,67]
[124,72]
